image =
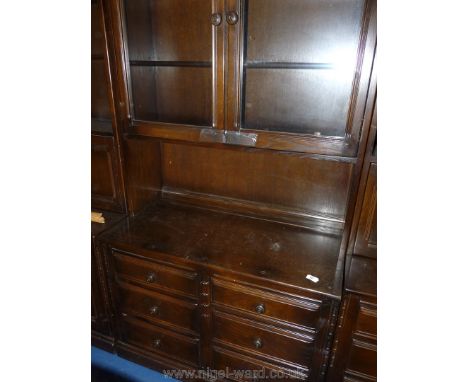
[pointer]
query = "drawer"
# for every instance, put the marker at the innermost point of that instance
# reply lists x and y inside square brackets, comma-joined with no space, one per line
[362,360]
[157,307]
[264,339]
[266,304]
[155,275]
[242,368]
[367,322]
[163,342]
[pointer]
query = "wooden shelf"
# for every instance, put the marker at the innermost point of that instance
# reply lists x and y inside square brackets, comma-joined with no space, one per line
[288,65]
[101,126]
[362,276]
[192,64]
[111,218]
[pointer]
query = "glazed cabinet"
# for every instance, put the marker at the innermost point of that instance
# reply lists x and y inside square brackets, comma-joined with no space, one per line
[239,134]
[277,74]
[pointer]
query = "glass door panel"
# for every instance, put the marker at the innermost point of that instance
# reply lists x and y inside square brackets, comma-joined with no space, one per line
[97,35]
[296,101]
[100,101]
[170,55]
[100,104]
[300,58]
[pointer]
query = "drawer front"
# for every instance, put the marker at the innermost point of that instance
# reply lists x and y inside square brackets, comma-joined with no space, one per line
[362,361]
[354,356]
[152,275]
[266,304]
[157,307]
[163,342]
[367,322]
[264,339]
[242,368]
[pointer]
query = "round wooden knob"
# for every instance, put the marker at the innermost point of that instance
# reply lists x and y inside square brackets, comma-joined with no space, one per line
[151,277]
[232,17]
[260,308]
[258,343]
[157,343]
[216,19]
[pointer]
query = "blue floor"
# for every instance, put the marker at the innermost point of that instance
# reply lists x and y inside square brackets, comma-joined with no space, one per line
[118,369]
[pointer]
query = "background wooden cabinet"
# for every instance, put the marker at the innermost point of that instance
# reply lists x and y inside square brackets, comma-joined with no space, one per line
[107,191]
[354,356]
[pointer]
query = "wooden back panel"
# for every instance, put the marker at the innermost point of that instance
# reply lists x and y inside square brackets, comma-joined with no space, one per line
[299,184]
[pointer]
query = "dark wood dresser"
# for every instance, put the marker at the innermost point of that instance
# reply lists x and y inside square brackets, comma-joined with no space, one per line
[240,144]
[195,288]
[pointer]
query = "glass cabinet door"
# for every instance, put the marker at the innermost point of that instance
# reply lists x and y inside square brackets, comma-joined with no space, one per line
[169,46]
[101,113]
[299,63]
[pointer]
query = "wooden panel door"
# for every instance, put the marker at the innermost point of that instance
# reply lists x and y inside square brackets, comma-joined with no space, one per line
[304,70]
[171,46]
[101,93]
[366,232]
[106,190]
[366,237]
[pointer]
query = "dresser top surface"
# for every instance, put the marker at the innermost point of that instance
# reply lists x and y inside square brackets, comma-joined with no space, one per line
[111,218]
[264,249]
[362,277]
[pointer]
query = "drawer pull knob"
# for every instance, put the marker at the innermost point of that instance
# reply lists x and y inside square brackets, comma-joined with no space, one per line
[258,343]
[260,308]
[157,343]
[151,277]
[154,310]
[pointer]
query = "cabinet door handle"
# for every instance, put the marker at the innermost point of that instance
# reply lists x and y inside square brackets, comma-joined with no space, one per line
[151,277]
[232,17]
[154,310]
[216,19]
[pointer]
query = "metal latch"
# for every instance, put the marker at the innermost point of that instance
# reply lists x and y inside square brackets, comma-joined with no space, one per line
[228,137]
